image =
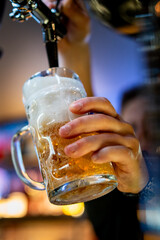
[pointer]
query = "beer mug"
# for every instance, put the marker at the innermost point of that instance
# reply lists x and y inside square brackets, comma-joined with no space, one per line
[47,96]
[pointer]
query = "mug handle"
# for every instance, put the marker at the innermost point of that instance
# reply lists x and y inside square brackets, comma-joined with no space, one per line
[17,158]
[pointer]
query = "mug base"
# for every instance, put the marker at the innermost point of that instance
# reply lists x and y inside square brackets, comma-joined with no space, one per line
[83,190]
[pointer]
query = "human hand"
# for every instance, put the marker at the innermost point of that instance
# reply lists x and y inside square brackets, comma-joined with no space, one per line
[78,24]
[115,142]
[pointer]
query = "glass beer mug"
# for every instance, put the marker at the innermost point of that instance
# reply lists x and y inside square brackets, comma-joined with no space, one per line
[47,96]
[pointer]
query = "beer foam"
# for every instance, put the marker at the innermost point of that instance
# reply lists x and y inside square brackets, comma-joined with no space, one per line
[47,99]
[36,85]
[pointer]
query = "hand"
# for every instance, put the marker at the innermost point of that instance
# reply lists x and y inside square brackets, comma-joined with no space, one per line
[116,142]
[78,24]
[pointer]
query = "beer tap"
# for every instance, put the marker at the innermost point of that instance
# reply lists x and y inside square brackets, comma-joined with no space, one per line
[51,22]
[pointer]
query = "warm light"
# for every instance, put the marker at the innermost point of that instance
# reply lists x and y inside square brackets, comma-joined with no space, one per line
[52,209]
[2,207]
[32,192]
[157,8]
[40,205]
[74,210]
[15,206]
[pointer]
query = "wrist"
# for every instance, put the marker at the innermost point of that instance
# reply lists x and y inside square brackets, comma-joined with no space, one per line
[149,191]
[146,194]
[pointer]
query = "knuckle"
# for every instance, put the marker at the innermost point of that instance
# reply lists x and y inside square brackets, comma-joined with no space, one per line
[108,103]
[129,153]
[101,117]
[83,141]
[134,143]
[72,124]
[80,121]
[105,155]
[76,122]
[106,100]
[129,128]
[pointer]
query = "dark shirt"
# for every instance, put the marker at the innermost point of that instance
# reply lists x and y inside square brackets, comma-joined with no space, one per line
[114,216]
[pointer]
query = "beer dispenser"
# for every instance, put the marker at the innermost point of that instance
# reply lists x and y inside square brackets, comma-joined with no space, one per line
[51,22]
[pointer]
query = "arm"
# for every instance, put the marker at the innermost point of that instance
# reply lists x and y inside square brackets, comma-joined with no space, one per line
[74,51]
[117,143]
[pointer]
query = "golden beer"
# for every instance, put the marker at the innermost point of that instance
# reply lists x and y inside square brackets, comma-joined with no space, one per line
[57,166]
[47,96]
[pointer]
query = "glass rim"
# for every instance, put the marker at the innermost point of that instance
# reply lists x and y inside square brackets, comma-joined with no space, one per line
[54,71]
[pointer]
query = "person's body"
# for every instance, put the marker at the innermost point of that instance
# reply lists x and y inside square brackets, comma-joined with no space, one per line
[116,141]
[115,215]
[119,211]
[135,107]
[140,107]
[74,53]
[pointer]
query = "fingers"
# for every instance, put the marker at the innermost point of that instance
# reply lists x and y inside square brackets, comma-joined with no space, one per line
[93,104]
[107,122]
[95,122]
[78,24]
[94,143]
[131,177]
[73,7]
[107,138]
[50,3]
[118,154]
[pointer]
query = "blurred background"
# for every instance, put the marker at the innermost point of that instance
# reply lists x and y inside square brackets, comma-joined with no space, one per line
[25,212]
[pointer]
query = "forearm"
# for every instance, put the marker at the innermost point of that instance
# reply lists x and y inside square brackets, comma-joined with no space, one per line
[76,56]
[73,49]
